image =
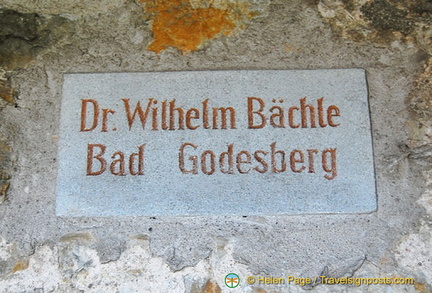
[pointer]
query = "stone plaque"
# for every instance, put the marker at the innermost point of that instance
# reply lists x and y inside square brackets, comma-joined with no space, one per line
[215,143]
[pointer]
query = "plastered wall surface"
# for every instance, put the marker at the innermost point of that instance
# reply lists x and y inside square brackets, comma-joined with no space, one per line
[42,40]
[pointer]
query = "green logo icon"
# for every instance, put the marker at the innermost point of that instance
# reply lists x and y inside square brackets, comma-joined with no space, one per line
[232,280]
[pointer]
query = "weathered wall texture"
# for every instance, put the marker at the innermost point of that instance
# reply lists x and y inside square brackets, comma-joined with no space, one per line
[41,40]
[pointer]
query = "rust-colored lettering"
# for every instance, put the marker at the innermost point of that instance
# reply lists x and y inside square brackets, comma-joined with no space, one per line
[173,109]
[311,160]
[204,162]
[332,111]
[138,110]
[320,113]
[291,117]
[331,170]
[223,112]
[303,108]
[193,159]
[294,161]
[229,155]
[154,117]
[91,156]
[261,161]
[192,113]
[140,156]
[84,103]
[241,161]
[105,113]
[120,161]
[205,114]
[164,115]
[279,115]
[258,112]
[274,152]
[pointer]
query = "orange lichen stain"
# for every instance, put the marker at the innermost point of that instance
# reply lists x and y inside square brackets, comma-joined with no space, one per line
[20,266]
[179,24]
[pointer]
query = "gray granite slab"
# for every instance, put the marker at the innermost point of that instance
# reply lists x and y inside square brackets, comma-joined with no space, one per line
[206,143]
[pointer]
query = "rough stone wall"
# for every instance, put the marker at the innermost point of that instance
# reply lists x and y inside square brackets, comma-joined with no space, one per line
[41,40]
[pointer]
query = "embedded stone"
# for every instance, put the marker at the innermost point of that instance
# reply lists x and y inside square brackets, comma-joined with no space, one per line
[215,143]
